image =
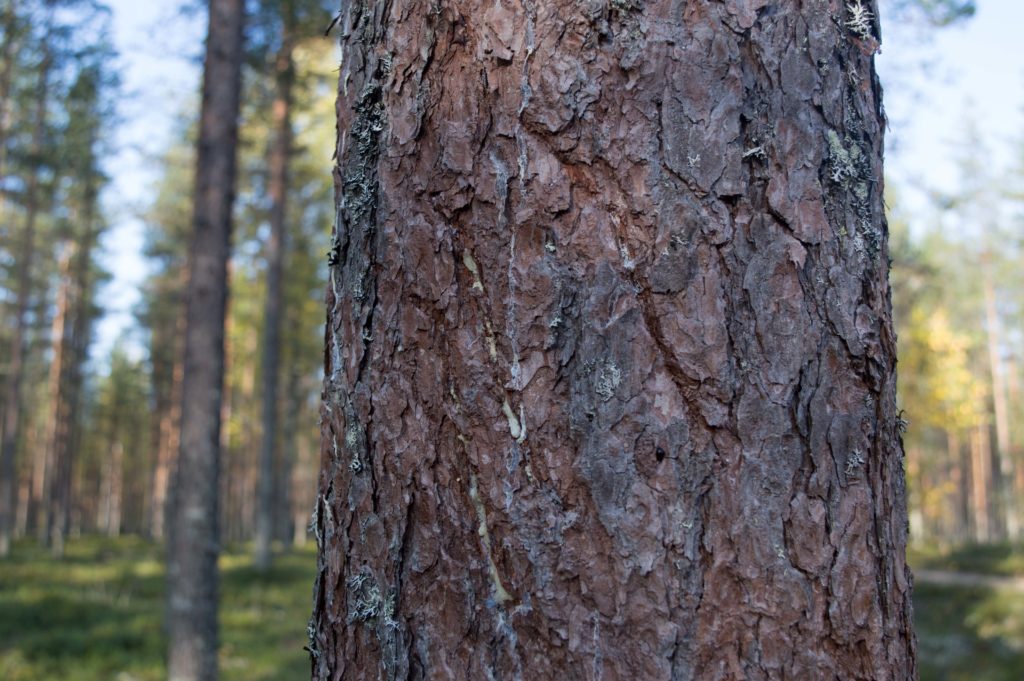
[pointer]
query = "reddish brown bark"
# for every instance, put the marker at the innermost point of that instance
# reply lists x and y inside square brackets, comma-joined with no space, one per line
[610,385]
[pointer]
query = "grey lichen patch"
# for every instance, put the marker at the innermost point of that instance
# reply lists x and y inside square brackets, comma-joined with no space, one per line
[853,463]
[353,443]
[849,170]
[609,376]
[355,440]
[622,6]
[860,21]
[500,594]
[320,518]
[334,254]
[311,636]
[756,152]
[365,600]
[844,159]
[367,603]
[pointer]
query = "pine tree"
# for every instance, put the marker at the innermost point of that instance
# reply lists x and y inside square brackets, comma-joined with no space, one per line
[610,367]
[193,542]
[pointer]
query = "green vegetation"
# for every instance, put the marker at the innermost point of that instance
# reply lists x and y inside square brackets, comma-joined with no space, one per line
[969,633]
[1000,559]
[98,614]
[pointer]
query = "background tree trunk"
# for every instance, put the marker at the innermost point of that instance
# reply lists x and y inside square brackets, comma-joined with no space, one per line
[169,424]
[275,251]
[68,391]
[9,24]
[12,401]
[1004,473]
[981,465]
[610,384]
[193,547]
[57,417]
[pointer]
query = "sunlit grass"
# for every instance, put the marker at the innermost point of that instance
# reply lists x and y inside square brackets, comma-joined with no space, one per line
[98,614]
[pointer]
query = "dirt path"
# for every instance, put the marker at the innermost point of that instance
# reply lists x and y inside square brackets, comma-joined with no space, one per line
[969,579]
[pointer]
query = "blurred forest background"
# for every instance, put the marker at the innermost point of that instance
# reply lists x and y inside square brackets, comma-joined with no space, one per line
[89,431]
[95,436]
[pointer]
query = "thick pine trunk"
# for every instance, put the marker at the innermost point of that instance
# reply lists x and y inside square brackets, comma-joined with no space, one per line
[610,382]
[266,507]
[193,541]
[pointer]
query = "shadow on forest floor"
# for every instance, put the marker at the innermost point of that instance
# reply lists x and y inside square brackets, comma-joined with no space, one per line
[98,614]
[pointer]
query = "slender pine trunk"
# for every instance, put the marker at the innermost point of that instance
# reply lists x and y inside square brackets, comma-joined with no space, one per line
[169,426]
[981,482]
[275,248]
[57,417]
[1005,473]
[7,60]
[11,423]
[194,547]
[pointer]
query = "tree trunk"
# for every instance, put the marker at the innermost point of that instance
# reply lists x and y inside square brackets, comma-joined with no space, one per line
[16,364]
[193,547]
[169,440]
[7,59]
[960,496]
[285,477]
[610,382]
[915,495]
[114,497]
[111,470]
[266,507]
[981,464]
[1005,471]
[70,384]
[57,417]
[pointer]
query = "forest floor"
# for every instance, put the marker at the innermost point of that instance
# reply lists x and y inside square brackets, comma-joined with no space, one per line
[969,613]
[97,615]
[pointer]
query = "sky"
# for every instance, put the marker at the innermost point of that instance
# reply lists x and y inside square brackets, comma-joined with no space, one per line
[158,51]
[974,70]
[930,87]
